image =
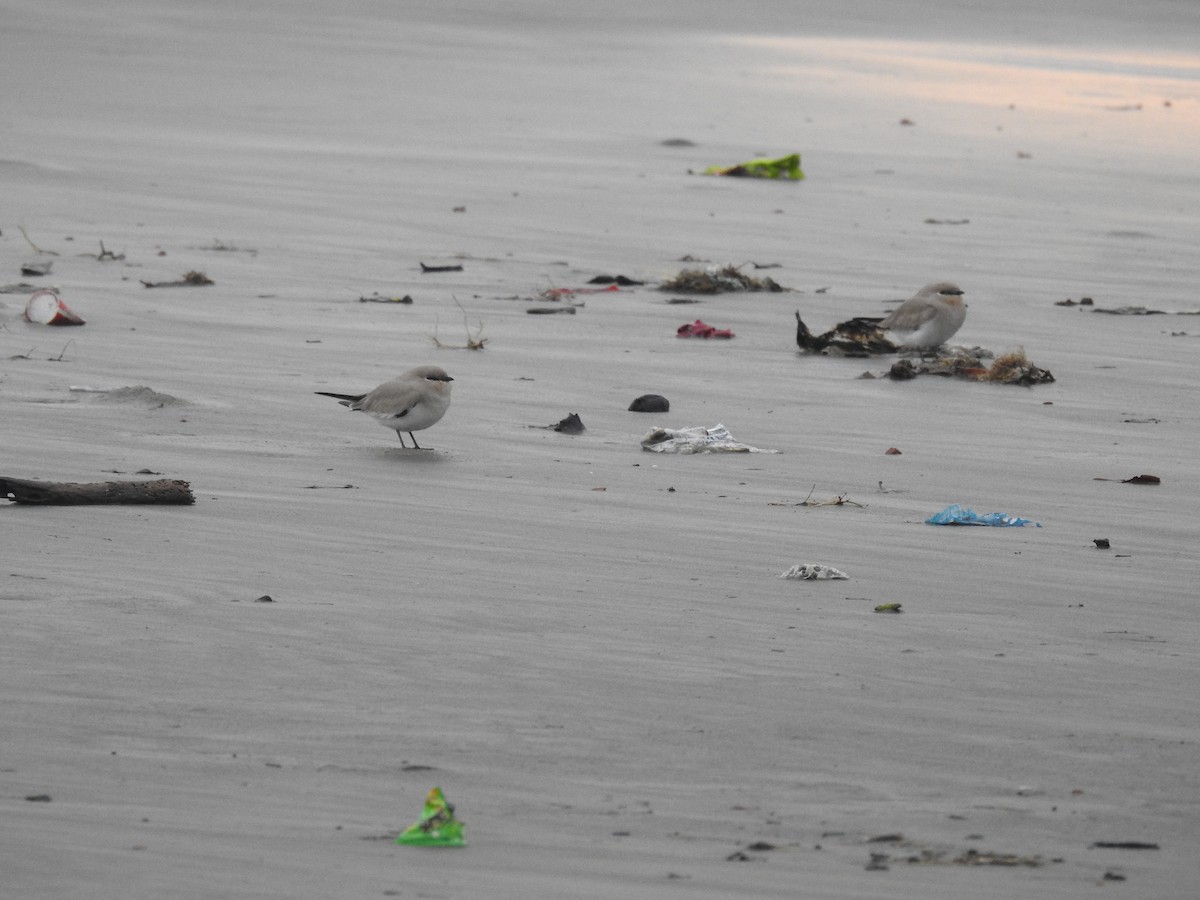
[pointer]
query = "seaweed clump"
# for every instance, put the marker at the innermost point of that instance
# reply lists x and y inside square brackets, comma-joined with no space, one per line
[727,280]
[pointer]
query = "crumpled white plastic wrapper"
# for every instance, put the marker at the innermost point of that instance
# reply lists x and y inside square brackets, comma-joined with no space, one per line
[696,440]
[814,572]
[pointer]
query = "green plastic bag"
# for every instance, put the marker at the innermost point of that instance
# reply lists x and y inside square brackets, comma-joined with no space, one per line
[437,826]
[785,168]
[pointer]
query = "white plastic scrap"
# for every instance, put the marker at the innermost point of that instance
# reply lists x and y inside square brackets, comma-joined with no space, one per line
[696,440]
[813,572]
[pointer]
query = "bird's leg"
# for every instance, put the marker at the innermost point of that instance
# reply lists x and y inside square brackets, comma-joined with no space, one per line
[414,440]
[400,434]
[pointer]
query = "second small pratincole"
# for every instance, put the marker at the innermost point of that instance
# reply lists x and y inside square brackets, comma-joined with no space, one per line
[928,319]
[923,322]
[414,401]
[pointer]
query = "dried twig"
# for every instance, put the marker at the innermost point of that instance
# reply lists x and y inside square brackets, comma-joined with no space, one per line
[60,356]
[36,248]
[474,342]
[108,254]
[839,500]
[189,279]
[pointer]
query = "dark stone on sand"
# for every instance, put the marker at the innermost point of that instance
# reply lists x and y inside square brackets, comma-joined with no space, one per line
[572,424]
[652,403]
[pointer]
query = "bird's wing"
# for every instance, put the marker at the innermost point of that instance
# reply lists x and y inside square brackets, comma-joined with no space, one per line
[393,399]
[909,318]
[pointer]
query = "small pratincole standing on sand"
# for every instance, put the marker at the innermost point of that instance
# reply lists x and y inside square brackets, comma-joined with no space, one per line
[928,319]
[414,401]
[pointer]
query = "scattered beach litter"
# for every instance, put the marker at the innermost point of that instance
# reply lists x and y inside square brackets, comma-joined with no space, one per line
[131,394]
[651,403]
[566,293]
[755,847]
[189,279]
[106,255]
[475,339]
[425,270]
[857,337]
[1131,311]
[782,168]
[380,298]
[1124,310]
[37,269]
[572,424]
[713,280]
[20,287]
[696,440]
[1010,368]
[888,608]
[437,826]
[620,280]
[954,514]
[46,308]
[702,330]
[914,855]
[552,310]
[814,572]
[838,500]
[52,493]
[1136,479]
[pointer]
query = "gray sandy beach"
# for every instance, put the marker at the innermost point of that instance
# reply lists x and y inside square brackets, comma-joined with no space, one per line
[587,645]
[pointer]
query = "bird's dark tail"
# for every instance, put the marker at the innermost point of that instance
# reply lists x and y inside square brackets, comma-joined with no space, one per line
[353,398]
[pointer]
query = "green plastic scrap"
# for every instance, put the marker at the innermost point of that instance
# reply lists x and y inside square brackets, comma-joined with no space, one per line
[437,826]
[785,168]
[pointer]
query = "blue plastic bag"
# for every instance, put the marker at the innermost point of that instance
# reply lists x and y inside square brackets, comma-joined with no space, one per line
[954,514]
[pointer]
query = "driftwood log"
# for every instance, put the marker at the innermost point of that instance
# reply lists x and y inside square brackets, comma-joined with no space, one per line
[59,493]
